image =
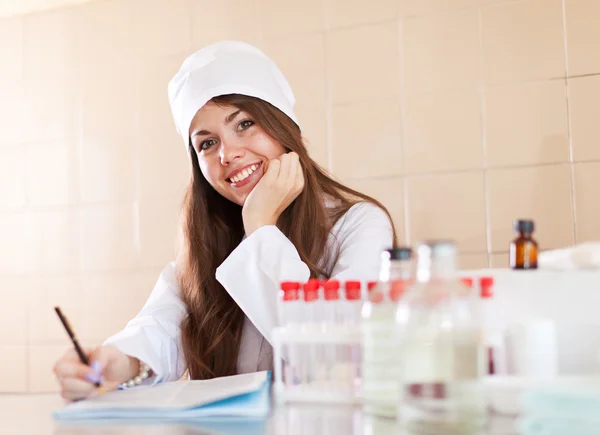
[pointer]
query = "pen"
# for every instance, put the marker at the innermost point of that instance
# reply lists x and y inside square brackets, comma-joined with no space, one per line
[82,356]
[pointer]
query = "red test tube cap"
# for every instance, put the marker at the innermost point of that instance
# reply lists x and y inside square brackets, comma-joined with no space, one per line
[353,290]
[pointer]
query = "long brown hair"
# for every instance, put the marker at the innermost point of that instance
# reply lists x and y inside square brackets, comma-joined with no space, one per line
[213,227]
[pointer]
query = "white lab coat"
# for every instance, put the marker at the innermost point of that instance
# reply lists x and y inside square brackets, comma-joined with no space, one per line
[251,274]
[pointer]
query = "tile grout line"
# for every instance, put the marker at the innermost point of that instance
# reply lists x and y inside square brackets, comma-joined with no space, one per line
[482,105]
[569,124]
[401,101]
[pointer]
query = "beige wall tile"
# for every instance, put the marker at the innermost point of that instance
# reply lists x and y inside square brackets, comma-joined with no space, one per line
[288,17]
[584,105]
[11,48]
[302,61]
[366,146]
[16,246]
[416,7]
[11,76]
[587,206]
[313,122]
[55,237]
[50,43]
[51,173]
[152,104]
[12,178]
[499,260]
[523,41]
[108,169]
[103,317]
[49,87]
[159,226]
[162,156]
[64,291]
[42,359]
[449,206]
[390,192]
[345,13]
[442,132]
[540,193]
[527,124]
[15,297]
[109,237]
[354,75]
[160,29]
[441,51]
[470,261]
[49,108]
[229,19]
[13,376]
[108,99]
[583,36]
[96,45]
[12,110]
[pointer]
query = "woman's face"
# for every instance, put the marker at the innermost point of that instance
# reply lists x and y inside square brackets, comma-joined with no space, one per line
[232,149]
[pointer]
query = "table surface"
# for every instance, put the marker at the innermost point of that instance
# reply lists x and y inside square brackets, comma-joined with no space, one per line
[32,414]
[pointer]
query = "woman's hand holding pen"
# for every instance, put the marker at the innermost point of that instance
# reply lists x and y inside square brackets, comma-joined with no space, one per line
[109,366]
[281,183]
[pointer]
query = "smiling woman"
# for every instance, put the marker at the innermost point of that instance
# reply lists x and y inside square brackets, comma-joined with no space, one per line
[258,211]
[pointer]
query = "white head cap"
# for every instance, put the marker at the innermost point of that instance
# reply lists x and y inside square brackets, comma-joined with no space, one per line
[227,67]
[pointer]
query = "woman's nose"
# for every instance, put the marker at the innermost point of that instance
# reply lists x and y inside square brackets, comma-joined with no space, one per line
[231,150]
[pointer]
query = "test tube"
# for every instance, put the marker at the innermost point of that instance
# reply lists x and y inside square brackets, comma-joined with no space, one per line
[289,304]
[353,302]
[312,368]
[332,310]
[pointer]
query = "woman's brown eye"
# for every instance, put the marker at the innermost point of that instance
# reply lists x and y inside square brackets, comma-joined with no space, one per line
[245,124]
[207,144]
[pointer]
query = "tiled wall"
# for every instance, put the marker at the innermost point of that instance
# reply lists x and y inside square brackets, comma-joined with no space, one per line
[460,115]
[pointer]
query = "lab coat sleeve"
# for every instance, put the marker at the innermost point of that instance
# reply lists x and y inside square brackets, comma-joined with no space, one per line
[252,273]
[154,335]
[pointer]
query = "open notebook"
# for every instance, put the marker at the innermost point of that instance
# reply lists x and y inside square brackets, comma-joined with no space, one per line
[245,396]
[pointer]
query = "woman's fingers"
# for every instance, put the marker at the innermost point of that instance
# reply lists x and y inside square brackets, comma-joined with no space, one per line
[67,369]
[272,171]
[73,389]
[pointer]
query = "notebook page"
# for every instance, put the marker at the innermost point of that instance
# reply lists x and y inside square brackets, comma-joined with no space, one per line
[174,395]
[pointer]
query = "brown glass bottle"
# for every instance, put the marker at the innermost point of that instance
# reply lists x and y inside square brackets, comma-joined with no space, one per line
[524,249]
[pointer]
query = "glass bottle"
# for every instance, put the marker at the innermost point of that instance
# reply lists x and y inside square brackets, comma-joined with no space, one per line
[379,351]
[439,338]
[524,248]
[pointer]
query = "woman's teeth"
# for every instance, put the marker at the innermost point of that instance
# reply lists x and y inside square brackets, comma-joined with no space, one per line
[245,173]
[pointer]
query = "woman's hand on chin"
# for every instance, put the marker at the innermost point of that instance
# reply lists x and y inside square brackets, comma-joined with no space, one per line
[280,185]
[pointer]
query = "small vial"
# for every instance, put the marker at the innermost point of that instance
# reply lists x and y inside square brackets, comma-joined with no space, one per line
[332,311]
[353,302]
[524,249]
[312,368]
[289,304]
[312,306]
[486,285]
[467,282]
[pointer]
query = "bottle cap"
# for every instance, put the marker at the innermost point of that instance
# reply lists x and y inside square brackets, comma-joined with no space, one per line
[312,285]
[352,290]
[402,253]
[486,283]
[371,285]
[332,284]
[290,290]
[524,226]
[397,288]
[315,282]
[331,288]
[290,285]
[311,291]
[467,281]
